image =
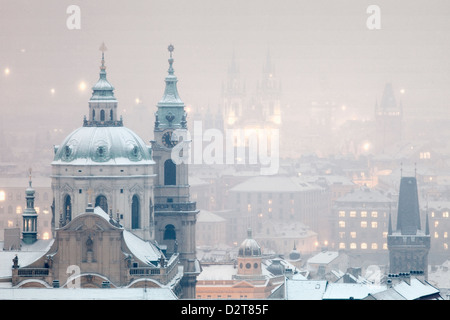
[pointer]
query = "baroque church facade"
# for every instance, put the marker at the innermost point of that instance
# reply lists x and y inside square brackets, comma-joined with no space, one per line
[121,208]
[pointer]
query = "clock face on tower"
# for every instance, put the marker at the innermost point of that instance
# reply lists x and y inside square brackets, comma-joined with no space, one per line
[167,140]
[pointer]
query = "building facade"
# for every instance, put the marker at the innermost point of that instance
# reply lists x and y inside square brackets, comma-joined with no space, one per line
[361,220]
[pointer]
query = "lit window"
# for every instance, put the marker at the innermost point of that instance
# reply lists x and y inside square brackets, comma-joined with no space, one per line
[385,234]
[374,246]
[352,245]
[342,214]
[352,214]
[364,245]
[363,214]
[341,245]
[18,209]
[269,202]
[37,209]
[249,207]
[10,224]
[436,224]
[363,224]
[2,195]
[45,211]
[46,236]
[385,246]
[341,224]
[432,214]
[436,235]
[374,214]
[444,214]
[445,234]
[374,224]
[353,235]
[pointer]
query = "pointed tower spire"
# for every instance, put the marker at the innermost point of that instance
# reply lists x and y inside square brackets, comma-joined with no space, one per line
[408,219]
[103,104]
[390,223]
[29,216]
[171,112]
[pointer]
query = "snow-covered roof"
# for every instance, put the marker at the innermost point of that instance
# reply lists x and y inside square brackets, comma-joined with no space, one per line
[275,184]
[305,289]
[323,257]
[364,195]
[415,290]
[87,294]
[142,250]
[28,254]
[207,216]
[102,146]
[345,291]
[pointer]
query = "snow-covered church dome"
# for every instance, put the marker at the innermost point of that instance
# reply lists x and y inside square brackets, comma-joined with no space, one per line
[106,164]
[102,138]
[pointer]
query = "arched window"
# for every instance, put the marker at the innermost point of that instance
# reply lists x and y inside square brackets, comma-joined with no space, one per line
[102,115]
[102,202]
[111,115]
[170,233]
[170,173]
[67,208]
[135,212]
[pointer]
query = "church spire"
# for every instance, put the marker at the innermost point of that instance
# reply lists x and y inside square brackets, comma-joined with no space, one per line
[170,112]
[29,216]
[103,104]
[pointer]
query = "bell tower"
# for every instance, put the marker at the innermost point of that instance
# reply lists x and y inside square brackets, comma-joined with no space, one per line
[175,214]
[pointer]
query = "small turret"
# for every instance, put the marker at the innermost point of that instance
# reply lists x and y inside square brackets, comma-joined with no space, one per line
[29,217]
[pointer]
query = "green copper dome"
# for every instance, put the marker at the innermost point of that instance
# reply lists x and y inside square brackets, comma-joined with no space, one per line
[102,145]
[103,139]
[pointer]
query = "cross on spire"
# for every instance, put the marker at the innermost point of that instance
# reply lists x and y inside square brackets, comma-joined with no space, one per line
[171,48]
[29,176]
[103,48]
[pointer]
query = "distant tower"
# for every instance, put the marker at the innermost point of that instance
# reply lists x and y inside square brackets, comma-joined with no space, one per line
[29,216]
[233,94]
[249,258]
[388,118]
[408,245]
[269,94]
[175,214]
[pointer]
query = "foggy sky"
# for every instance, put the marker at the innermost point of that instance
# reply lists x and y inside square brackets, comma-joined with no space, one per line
[322,51]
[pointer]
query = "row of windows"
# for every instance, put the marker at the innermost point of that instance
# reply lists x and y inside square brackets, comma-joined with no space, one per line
[363,224]
[363,246]
[102,202]
[19,210]
[362,214]
[445,214]
[353,234]
[444,234]
[10,196]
